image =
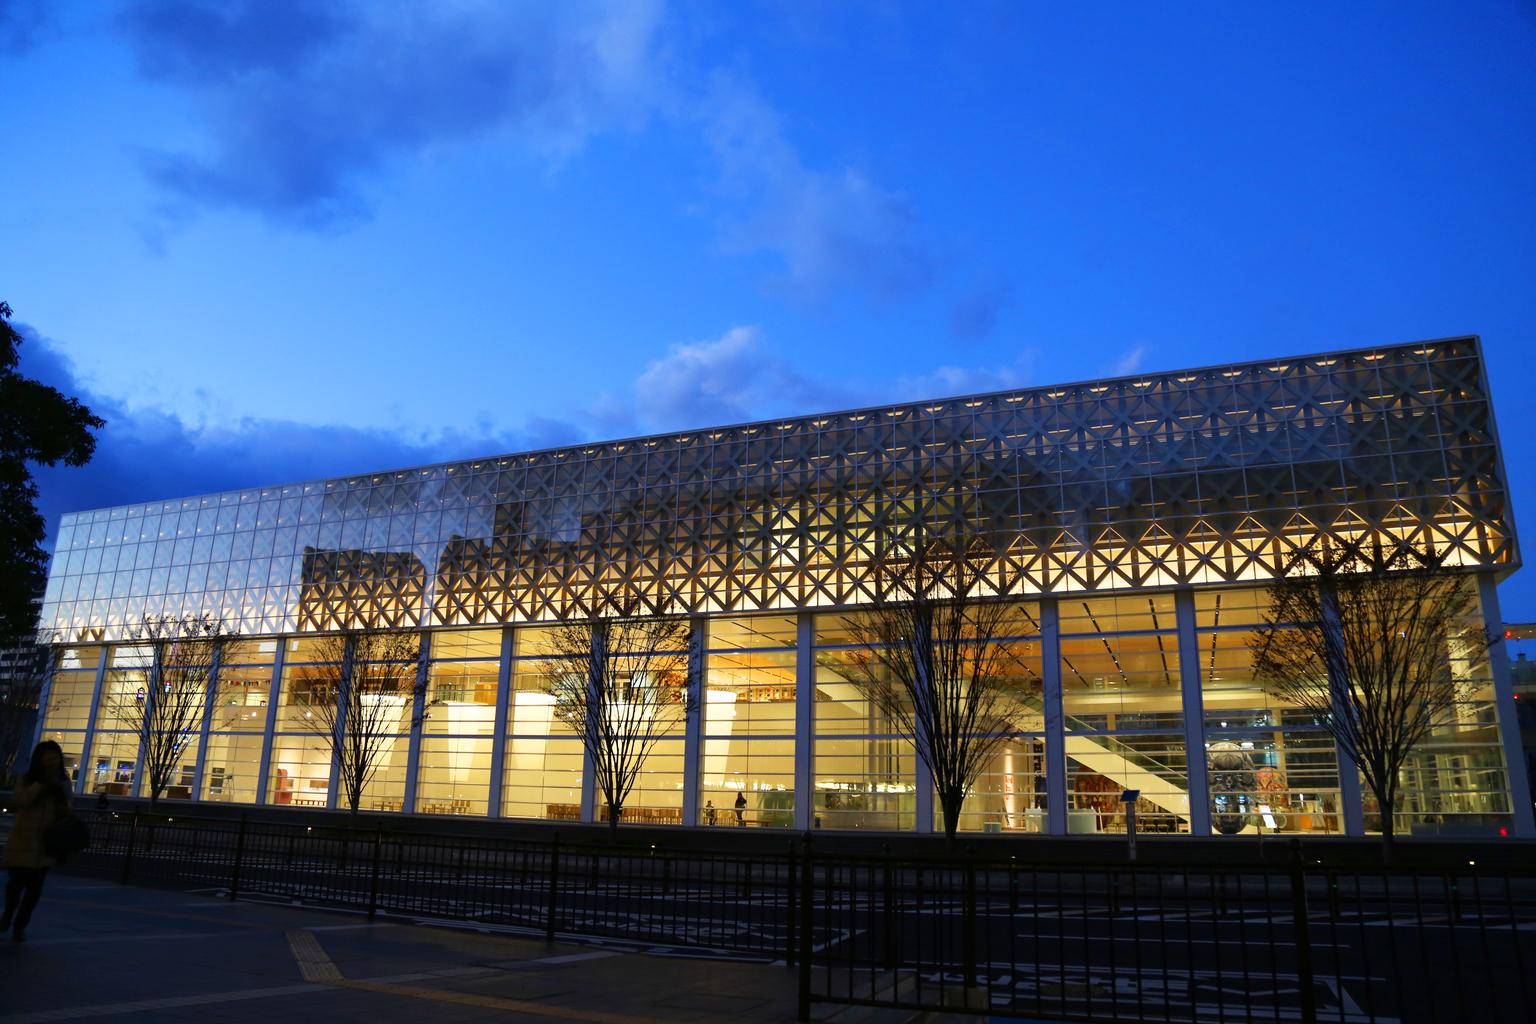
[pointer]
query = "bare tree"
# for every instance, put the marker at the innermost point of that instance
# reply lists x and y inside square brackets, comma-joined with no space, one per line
[621,682]
[933,657]
[1378,647]
[179,659]
[22,681]
[365,691]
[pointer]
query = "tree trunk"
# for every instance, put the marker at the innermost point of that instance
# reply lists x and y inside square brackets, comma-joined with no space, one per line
[1385,799]
[949,805]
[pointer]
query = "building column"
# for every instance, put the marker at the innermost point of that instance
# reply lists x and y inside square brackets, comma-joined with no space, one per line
[1504,700]
[503,705]
[805,722]
[87,765]
[1055,723]
[1191,685]
[210,705]
[693,724]
[1349,793]
[273,695]
[925,795]
[418,723]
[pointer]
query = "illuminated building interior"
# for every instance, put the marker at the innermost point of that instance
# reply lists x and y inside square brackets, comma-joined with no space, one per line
[1143,516]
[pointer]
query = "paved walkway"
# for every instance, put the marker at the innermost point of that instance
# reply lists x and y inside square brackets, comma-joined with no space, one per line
[121,953]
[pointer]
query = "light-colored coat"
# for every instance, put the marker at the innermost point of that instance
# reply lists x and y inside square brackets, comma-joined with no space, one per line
[36,809]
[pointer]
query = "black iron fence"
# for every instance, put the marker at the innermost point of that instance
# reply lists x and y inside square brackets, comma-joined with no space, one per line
[1011,937]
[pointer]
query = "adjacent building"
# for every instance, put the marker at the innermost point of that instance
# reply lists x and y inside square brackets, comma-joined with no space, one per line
[1143,516]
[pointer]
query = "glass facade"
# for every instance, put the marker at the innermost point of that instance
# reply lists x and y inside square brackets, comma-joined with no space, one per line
[1143,515]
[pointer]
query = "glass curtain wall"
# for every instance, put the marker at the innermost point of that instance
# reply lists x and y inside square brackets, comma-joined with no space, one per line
[1456,782]
[454,766]
[238,724]
[67,713]
[1010,794]
[747,766]
[1268,766]
[864,768]
[1122,704]
[114,759]
[301,751]
[543,765]
[1271,767]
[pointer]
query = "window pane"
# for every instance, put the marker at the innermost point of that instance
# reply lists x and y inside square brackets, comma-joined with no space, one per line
[750,693]
[543,778]
[1230,607]
[232,773]
[462,698]
[657,798]
[1009,796]
[467,643]
[532,711]
[1273,781]
[114,763]
[73,745]
[1116,614]
[252,652]
[122,699]
[1100,768]
[69,700]
[865,784]
[71,658]
[748,782]
[753,631]
[1119,683]
[302,690]
[301,771]
[455,776]
[242,700]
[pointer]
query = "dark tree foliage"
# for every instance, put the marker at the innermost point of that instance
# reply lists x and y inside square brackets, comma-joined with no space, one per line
[21,692]
[1377,645]
[37,424]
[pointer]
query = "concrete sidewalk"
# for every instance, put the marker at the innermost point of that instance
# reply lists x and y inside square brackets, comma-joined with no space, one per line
[96,950]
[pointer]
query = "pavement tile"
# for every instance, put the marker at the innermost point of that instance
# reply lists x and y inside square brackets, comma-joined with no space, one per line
[110,947]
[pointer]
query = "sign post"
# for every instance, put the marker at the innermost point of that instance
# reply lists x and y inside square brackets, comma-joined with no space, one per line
[1129,798]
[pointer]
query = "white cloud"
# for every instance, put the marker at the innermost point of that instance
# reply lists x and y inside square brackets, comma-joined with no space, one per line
[831,230]
[731,379]
[1129,363]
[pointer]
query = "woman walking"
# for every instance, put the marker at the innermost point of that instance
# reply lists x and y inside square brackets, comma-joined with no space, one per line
[42,798]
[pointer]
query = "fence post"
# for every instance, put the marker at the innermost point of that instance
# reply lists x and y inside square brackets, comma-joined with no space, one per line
[1303,936]
[891,925]
[790,946]
[234,876]
[807,908]
[373,891]
[133,835]
[554,886]
[969,924]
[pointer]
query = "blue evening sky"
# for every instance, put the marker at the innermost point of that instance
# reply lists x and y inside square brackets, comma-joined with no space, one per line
[272,240]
